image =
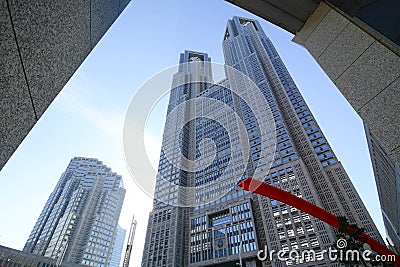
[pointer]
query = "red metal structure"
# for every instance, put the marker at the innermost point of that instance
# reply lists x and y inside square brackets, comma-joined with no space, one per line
[273,192]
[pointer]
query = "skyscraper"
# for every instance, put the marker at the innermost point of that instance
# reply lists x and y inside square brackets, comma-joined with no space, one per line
[117,248]
[199,217]
[387,178]
[78,223]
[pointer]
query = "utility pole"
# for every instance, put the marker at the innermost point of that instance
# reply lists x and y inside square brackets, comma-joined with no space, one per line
[128,250]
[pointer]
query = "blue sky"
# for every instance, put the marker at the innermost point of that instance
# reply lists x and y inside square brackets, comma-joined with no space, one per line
[86,119]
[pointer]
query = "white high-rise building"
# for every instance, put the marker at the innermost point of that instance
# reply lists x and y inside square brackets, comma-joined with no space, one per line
[78,223]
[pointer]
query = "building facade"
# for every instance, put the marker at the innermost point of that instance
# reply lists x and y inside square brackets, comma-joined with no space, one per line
[78,223]
[39,58]
[387,178]
[200,218]
[357,44]
[117,248]
[12,257]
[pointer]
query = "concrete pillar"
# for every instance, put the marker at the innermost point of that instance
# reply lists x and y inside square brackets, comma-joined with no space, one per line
[364,68]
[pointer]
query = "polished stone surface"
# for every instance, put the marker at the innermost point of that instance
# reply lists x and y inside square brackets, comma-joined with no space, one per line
[15,104]
[345,49]
[384,111]
[311,24]
[362,68]
[325,33]
[371,73]
[49,40]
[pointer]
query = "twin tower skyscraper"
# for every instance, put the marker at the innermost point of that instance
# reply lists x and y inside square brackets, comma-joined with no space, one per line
[252,123]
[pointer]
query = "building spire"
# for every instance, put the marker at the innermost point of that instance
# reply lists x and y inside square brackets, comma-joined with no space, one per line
[131,236]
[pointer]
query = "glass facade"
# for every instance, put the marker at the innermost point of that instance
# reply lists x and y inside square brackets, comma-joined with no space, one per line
[79,221]
[118,247]
[224,228]
[387,178]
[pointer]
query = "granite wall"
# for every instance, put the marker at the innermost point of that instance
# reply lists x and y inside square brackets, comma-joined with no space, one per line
[42,43]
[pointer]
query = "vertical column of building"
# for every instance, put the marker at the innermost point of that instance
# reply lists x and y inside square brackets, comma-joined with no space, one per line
[318,175]
[334,187]
[285,227]
[86,212]
[167,231]
[387,178]
[103,208]
[111,204]
[58,240]
[214,221]
[38,241]
[118,247]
